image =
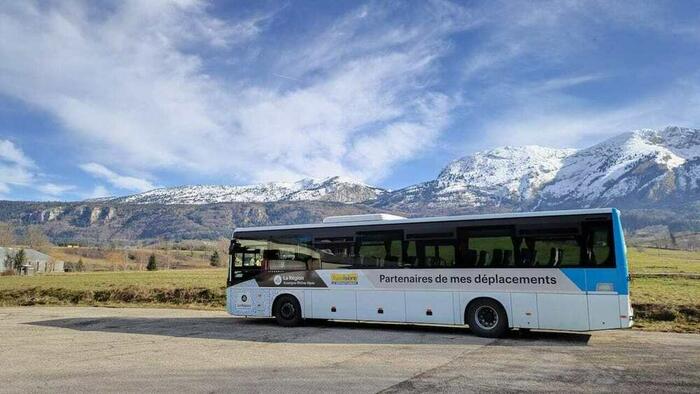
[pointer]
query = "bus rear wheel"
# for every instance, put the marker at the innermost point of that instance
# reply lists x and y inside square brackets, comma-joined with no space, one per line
[287,311]
[487,318]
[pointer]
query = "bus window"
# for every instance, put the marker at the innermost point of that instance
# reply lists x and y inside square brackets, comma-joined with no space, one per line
[335,253]
[379,249]
[557,252]
[598,242]
[487,247]
[291,254]
[439,255]
[430,254]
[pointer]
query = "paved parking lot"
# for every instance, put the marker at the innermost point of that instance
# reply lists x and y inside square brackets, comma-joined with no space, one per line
[165,350]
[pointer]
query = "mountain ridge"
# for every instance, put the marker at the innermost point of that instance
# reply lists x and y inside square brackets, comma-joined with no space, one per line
[653,175]
[648,165]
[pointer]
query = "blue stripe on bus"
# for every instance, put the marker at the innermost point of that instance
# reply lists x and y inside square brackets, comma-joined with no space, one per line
[576,275]
[621,282]
[588,279]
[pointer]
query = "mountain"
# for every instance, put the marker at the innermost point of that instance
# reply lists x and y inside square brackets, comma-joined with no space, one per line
[101,222]
[643,168]
[640,169]
[501,178]
[653,175]
[334,189]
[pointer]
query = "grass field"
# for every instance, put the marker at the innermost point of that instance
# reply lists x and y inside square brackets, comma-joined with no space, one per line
[97,259]
[647,260]
[670,303]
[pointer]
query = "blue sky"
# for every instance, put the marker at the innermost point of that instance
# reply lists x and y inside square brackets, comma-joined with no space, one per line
[114,98]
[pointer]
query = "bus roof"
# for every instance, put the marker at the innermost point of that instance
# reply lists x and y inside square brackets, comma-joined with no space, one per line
[429,220]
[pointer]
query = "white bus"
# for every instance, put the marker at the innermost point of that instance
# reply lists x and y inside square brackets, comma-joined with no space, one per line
[560,270]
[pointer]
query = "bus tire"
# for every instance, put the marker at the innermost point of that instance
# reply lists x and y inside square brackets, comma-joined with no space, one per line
[487,318]
[287,311]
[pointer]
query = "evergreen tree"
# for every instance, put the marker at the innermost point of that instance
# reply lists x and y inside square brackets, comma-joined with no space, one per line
[80,267]
[215,260]
[19,260]
[152,264]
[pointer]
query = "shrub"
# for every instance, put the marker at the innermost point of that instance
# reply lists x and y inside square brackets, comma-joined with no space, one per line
[215,260]
[152,264]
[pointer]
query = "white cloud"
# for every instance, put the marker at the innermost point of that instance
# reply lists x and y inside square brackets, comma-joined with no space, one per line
[529,58]
[549,119]
[98,192]
[117,180]
[132,85]
[54,190]
[16,169]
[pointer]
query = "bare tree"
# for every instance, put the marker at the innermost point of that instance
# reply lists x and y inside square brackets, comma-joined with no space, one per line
[36,238]
[7,234]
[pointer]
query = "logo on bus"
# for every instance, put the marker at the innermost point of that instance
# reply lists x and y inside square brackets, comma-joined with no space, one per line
[244,298]
[277,279]
[344,278]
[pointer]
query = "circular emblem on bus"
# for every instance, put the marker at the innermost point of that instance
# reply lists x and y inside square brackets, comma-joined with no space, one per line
[244,298]
[277,279]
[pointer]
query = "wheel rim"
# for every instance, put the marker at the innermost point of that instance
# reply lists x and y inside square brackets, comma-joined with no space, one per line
[486,317]
[287,311]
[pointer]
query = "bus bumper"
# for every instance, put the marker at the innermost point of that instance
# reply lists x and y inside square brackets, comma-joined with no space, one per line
[626,312]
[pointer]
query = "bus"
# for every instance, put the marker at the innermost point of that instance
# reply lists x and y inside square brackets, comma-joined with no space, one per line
[558,270]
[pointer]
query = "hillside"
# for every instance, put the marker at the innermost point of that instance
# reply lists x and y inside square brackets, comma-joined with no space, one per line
[653,175]
[333,189]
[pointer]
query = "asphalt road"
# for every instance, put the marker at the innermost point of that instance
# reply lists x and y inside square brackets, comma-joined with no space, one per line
[166,350]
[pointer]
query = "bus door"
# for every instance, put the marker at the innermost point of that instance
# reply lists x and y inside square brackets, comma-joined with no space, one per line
[604,283]
[245,261]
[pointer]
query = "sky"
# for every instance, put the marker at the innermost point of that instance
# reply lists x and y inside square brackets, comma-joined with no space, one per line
[107,98]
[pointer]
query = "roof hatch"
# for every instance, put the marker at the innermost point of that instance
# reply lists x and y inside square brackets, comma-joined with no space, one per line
[371,217]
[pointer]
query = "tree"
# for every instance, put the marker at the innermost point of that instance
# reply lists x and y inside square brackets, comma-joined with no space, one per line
[19,260]
[36,238]
[9,263]
[152,264]
[7,234]
[215,260]
[79,266]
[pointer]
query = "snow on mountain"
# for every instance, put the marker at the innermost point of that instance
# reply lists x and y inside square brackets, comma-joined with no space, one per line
[643,165]
[497,177]
[639,168]
[513,173]
[335,189]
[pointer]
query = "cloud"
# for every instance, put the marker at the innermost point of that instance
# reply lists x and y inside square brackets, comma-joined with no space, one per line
[135,84]
[117,180]
[525,76]
[551,118]
[54,190]
[98,192]
[16,169]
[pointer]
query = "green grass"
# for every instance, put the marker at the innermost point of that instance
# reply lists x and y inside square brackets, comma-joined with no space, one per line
[666,291]
[200,278]
[654,297]
[648,260]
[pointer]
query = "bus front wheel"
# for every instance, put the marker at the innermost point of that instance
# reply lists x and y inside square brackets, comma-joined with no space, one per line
[287,311]
[487,318]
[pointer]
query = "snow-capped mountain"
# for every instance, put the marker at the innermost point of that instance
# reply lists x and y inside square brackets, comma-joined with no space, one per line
[640,168]
[636,168]
[653,175]
[334,189]
[499,177]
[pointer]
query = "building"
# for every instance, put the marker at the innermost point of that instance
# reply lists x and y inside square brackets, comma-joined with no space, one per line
[36,262]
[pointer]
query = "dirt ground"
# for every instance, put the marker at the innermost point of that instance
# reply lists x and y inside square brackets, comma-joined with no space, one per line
[165,350]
